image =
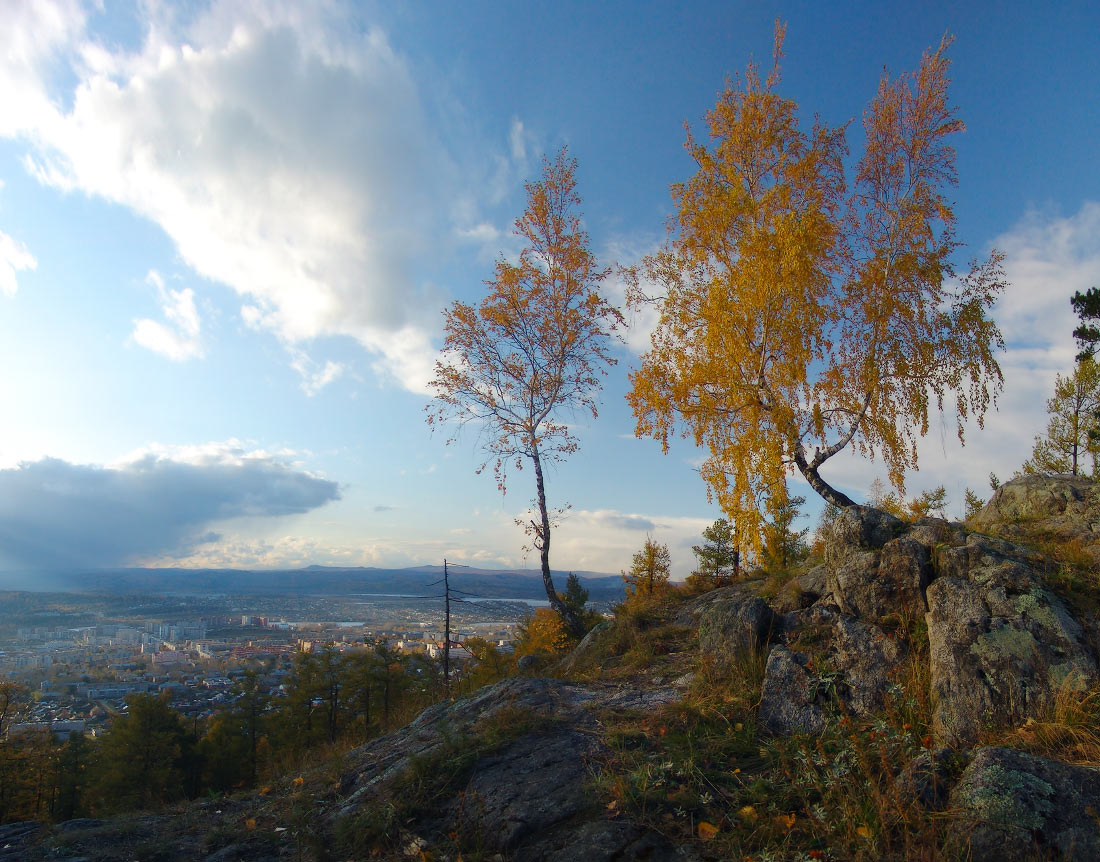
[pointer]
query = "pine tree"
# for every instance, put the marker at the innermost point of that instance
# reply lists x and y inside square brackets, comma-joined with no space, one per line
[782,545]
[650,569]
[148,757]
[1073,430]
[718,557]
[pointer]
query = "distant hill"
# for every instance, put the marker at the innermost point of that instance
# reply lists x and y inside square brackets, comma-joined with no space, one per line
[312,580]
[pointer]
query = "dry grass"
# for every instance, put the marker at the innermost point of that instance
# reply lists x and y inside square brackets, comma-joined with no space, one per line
[1068,731]
[702,772]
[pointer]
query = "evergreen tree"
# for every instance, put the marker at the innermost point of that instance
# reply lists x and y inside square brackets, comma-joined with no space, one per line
[649,571]
[1087,306]
[72,771]
[719,557]
[575,598]
[972,503]
[147,759]
[782,545]
[231,744]
[362,673]
[930,503]
[1073,429]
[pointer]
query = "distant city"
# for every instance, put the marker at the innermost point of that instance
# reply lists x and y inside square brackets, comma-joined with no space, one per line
[83,653]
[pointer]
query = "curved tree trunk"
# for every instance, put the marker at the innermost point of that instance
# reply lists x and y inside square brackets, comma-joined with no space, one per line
[823,488]
[809,468]
[571,620]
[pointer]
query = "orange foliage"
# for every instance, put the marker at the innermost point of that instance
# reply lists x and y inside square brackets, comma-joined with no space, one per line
[545,632]
[797,319]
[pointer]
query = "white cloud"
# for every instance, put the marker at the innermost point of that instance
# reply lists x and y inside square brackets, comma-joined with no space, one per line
[517,137]
[625,252]
[483,233]
[32,34]
[513,167]
[223,453]
[286,152]
[177,339]
[14,257]
[314,379]
[248,552]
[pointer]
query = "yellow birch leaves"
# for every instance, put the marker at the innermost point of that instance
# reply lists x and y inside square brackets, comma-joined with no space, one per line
[796,317]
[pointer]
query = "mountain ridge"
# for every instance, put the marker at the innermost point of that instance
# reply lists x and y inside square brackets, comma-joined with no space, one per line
[309,580]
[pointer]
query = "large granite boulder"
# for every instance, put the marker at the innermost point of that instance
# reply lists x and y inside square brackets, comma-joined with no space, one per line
[792,699]
[803,590]
[1001,642]
[862,527]
[832,662]
[873,569]
[877,583]
[1019,807]
[867,660]
[1039,498]
[734,621]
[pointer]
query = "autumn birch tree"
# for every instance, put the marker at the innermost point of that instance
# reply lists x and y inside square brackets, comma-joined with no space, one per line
[797,317]
[534,350]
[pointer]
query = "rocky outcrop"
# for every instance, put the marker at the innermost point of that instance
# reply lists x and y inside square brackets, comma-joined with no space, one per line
[803,591]
[832,661]
[14,837]
[527,797]
[861,527]
[875,584]
[1018,807]
[1055,508]
[509,770]
[792,700]
[732,620]
[1001,642]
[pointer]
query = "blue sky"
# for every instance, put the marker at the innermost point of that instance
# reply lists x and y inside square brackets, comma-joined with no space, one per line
[227,231]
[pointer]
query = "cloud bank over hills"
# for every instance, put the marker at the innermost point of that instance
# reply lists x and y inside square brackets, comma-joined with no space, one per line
[54,514]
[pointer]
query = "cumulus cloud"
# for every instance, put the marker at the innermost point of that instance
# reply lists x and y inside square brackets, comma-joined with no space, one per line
[157,502]
[178,337]
[33,33]
[278,552]
[284,149]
